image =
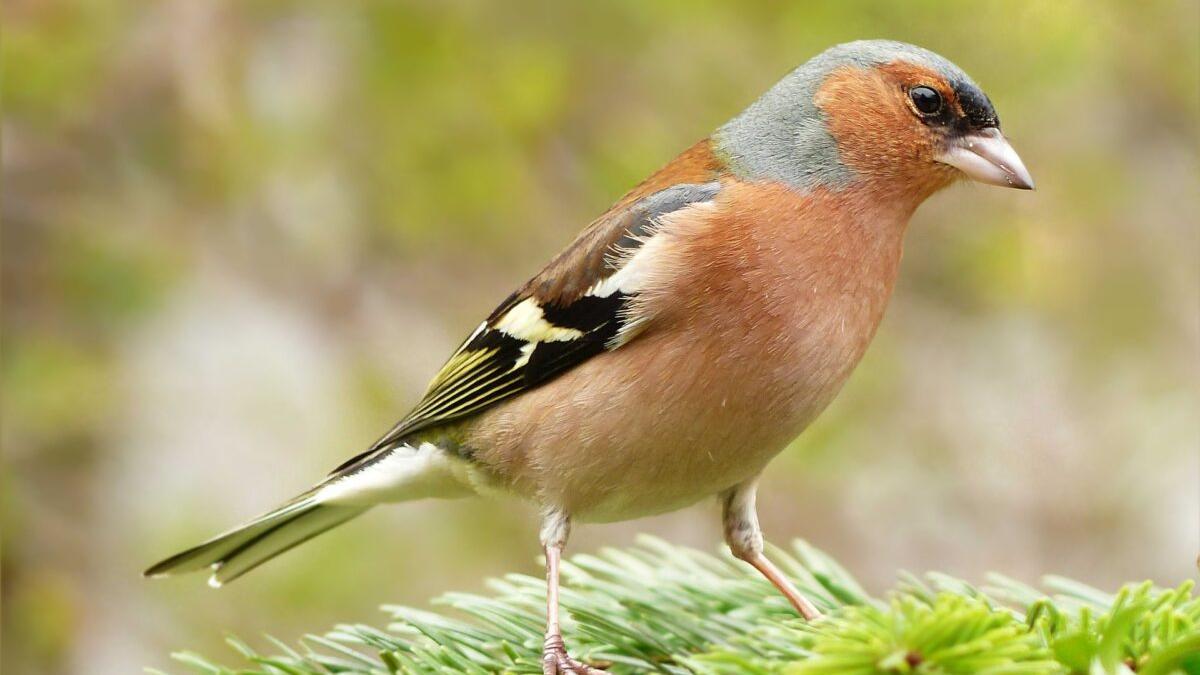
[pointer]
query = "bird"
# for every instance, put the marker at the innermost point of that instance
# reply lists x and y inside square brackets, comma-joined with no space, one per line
[686,335]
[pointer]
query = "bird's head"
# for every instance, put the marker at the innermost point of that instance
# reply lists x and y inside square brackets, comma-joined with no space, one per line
[897,117]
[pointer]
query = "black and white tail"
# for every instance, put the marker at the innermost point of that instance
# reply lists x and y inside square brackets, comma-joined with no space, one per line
[232,554]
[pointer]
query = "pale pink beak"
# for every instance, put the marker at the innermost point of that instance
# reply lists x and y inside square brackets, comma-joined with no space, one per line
[987,157]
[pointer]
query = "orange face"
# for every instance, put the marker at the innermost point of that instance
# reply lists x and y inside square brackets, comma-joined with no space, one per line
[879,130]
[906,125]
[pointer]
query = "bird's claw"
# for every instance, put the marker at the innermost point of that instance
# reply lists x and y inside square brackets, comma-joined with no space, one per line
[556,661]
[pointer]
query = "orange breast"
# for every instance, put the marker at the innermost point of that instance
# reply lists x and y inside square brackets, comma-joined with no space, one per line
[761,310]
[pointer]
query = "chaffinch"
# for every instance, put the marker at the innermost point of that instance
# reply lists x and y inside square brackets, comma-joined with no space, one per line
[686,335]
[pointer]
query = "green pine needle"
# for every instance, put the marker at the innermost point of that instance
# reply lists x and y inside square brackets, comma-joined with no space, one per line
[658,608]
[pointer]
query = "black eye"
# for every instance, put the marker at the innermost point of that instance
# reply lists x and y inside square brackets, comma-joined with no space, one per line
[927,101]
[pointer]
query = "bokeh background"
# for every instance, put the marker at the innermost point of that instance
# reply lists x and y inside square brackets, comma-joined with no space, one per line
[239,238]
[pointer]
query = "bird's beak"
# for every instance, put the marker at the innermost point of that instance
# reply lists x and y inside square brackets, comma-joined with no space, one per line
[987,157]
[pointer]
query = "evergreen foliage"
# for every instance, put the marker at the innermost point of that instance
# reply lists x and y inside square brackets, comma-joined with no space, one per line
[658,608]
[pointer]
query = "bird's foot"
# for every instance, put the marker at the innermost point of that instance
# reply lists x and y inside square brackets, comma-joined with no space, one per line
[556,661]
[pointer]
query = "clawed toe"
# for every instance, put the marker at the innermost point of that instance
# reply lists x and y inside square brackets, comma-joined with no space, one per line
[556,661]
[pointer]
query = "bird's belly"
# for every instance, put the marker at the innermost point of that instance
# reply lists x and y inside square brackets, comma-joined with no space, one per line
[616,442]
[636,484]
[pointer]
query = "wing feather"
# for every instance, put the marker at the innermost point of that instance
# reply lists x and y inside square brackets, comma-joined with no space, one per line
[551,324]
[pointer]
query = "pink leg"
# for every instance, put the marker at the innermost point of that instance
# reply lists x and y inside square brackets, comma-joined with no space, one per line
[555,660]
[745,540]
[772,573]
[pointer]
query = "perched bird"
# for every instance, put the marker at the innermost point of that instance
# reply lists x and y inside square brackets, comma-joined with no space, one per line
[686,335]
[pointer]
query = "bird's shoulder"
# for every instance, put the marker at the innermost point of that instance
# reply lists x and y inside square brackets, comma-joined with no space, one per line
[585,260]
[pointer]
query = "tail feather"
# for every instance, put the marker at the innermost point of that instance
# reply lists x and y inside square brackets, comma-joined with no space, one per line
[232,554]
[404,472]
[281,538]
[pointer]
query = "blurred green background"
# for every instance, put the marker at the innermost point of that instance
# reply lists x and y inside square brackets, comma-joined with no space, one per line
[239,238]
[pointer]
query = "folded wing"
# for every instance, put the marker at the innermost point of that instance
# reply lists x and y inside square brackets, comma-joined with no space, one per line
[581,304]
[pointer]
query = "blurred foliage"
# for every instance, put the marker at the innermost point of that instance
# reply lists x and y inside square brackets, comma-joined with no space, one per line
[660,608]
[238,237]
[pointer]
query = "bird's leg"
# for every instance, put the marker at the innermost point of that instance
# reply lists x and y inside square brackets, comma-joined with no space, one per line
[745,540]
[555,660]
